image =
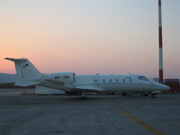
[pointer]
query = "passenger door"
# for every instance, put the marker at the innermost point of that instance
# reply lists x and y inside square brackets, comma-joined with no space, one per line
[96,80]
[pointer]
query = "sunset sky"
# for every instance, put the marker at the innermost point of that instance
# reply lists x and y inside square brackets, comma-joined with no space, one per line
[90,36]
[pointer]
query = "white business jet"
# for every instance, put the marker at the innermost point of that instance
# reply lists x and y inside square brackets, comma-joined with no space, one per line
[69,82]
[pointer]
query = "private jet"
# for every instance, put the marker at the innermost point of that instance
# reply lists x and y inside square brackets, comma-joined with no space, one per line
[27,75]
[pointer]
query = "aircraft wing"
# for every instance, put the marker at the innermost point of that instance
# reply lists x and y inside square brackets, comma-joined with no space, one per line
[25,83]
[80,88]
[90,89]
[68,86]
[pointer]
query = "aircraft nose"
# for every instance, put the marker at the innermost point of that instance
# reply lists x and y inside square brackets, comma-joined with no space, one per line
[162,86]
[166,87]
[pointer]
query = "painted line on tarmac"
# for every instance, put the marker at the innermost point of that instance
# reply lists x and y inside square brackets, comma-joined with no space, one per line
[141,123]
[50,124]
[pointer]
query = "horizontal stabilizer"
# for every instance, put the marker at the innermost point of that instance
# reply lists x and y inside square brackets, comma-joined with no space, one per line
[26,83]
[13,59]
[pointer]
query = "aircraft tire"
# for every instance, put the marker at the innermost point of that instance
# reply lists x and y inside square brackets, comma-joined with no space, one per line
[143,94]
[124,94]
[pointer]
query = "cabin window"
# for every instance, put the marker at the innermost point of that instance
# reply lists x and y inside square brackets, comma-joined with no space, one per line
[110,80]
[117,80]
[130,80]
[123,80]
[104,80]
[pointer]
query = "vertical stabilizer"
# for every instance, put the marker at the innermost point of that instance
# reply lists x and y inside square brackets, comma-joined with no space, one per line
[24,68]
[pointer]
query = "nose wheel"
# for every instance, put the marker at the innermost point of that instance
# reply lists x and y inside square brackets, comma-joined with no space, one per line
[124,94]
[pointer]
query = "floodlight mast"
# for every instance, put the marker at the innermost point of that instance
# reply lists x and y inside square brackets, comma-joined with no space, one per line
[160,45]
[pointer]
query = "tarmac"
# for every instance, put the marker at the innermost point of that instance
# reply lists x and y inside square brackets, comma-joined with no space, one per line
[95,115]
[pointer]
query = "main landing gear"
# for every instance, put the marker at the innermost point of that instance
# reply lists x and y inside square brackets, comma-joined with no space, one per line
[83,95]
[143,94]
[124,94]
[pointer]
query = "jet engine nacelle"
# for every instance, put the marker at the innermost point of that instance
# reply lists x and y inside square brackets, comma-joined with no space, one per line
[70,76]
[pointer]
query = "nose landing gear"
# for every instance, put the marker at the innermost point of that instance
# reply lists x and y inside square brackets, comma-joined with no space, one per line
[124,94]
[83,95]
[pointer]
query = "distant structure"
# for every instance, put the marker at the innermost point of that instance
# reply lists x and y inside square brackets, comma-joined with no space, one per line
[160,45]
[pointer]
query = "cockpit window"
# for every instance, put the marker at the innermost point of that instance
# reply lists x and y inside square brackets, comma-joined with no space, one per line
[143,78]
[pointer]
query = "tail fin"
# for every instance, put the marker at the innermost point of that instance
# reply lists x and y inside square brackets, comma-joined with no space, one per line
[25,71]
